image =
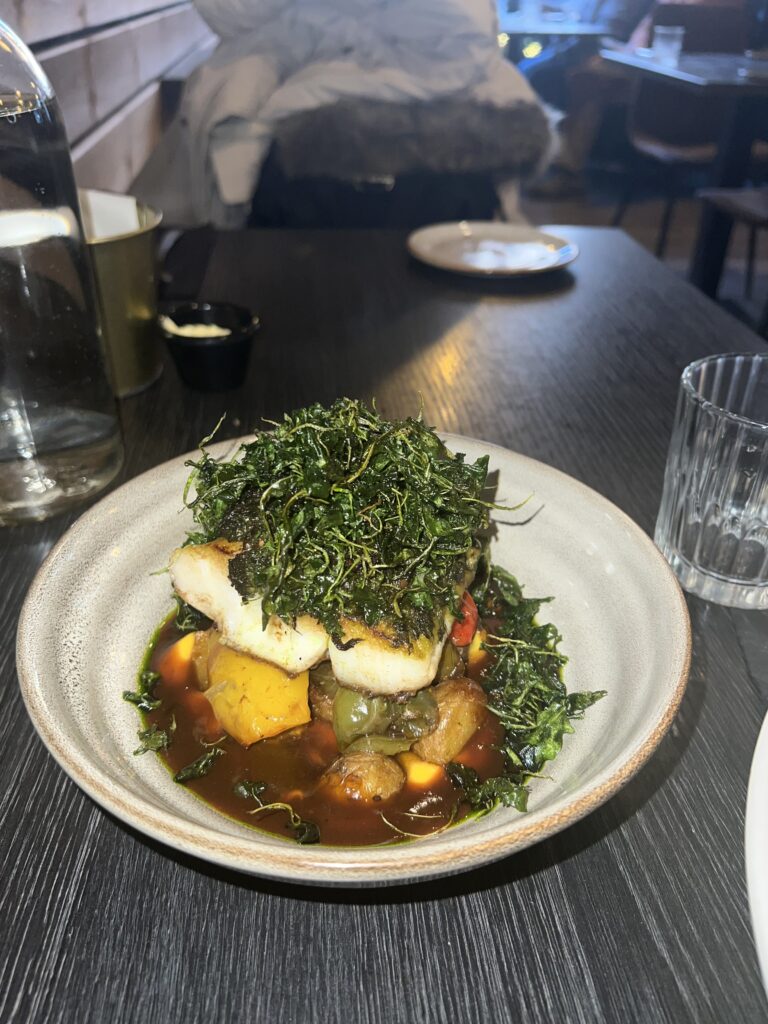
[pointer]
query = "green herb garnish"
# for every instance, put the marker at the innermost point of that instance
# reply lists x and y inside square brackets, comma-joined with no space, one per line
[200,767]
[189,619]
[142,698]
[304,832]
[495,792]
[525,690]
[343,514]
[248,790]
[153,739]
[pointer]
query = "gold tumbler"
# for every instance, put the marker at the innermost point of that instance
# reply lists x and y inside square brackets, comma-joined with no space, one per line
[120,232]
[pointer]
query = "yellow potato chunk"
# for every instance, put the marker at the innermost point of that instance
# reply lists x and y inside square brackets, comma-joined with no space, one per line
[421,774]
[476,656]
[253,699]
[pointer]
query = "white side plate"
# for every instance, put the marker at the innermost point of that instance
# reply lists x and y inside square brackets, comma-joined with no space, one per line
[756,842]
[491,249]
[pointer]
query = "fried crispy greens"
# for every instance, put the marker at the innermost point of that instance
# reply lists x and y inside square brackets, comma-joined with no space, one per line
[343,514]
[525,690]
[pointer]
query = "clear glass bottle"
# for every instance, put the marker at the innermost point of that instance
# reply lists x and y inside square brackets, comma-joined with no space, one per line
[59,431]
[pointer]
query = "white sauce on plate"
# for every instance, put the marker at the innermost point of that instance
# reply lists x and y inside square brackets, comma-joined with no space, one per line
[193,330]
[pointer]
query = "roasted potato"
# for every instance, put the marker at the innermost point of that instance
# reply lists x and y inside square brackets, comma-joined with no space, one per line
[461,709]
[362,776]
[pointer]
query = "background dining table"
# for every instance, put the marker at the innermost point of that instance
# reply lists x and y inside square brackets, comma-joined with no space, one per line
[636,913]
[742,84]
[552,25]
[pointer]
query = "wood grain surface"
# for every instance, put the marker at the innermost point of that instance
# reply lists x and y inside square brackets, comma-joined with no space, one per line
[636,914]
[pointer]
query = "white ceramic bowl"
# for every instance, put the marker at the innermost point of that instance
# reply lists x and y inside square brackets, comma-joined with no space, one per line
[94,605]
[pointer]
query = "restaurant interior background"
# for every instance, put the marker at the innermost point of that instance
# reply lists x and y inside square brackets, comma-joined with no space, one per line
[128,900]
[120,70]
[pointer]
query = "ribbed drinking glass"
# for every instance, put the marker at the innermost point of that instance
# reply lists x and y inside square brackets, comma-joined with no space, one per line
[713,520]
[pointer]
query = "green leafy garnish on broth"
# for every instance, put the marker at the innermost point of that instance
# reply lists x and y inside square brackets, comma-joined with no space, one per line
[248,790]
[152,738]
[344,514]
[485,795]
[199,767]
[142,698]
[304,832]
[189,619]
[525,691]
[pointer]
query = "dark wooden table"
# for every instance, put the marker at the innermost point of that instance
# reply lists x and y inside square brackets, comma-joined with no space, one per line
[721,74]
[637,913]
[717,75]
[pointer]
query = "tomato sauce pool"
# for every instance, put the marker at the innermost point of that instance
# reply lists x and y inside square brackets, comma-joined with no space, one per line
[292,765]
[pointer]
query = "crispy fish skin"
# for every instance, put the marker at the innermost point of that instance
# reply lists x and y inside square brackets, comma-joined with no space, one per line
[375,664]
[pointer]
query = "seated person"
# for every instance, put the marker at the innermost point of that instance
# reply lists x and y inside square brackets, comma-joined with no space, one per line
[278,60]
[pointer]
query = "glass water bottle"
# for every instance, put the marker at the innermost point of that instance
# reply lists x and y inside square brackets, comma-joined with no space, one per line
[59,432]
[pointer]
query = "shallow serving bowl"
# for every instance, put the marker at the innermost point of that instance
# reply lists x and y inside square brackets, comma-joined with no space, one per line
[95,603]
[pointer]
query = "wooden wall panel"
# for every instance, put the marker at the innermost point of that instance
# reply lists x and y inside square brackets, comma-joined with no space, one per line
[38,20]
[70,77]
[112,155]
[95,75]
[106,60]
[175,79]
[160,46]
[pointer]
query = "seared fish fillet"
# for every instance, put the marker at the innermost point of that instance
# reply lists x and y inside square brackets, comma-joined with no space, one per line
[377,666]
[200,575]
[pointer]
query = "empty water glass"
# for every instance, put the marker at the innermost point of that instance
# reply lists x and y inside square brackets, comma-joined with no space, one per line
[713,521]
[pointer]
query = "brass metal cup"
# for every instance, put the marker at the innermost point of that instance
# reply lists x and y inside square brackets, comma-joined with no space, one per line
[124,268]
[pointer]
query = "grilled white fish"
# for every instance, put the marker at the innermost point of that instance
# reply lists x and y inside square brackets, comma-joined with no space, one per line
[200,574]
[376,663]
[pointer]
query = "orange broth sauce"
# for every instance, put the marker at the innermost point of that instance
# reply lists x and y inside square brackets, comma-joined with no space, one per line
[292,765]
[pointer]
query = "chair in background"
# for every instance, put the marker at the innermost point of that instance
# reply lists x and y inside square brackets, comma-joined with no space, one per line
[671,130]
[745,206]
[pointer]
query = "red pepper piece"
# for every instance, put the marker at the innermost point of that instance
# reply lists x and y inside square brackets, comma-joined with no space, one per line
[464,627]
